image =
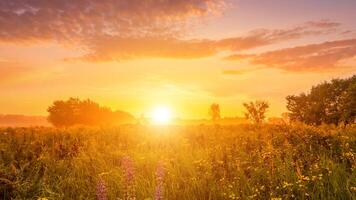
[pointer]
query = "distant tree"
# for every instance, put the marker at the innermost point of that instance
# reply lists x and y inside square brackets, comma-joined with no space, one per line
[215,111]
[285,117]
[256,111]
[331,102]
[86,112]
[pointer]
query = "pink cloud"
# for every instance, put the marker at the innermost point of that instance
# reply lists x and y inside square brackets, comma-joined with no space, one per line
[313,57]
[114,48]
[76,20]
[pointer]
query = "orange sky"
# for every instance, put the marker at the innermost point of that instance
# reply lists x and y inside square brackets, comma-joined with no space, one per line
[135,54]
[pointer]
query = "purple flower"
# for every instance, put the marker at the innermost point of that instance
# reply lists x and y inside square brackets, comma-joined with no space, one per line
[160,179]
[129,175]
[101,190]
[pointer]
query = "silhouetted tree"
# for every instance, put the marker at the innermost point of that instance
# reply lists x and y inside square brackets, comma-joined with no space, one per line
[86,112]
[214,111]
[331,102]
[256,111]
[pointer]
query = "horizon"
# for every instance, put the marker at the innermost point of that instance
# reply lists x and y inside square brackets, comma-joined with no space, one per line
[175,117]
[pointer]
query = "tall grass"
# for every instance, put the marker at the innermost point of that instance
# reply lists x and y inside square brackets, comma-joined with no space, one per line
[187,162]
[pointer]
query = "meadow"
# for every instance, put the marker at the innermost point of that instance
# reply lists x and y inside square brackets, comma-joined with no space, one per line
[179,162]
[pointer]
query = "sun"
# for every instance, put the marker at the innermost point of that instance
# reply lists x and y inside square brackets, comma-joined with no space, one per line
[161,115]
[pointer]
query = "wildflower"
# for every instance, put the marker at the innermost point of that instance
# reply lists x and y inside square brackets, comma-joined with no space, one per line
[160,178]
[128,168]
[286,184]
[232,196]
[101,190]
[129,190]
[305,178]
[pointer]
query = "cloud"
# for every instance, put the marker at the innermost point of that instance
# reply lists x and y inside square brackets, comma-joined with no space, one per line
[115,48]
[323,24]
[313,57]
[112,30]
[77,20]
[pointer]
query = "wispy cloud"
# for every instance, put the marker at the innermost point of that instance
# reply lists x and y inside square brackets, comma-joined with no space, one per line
[113,48]
[323,24]
[313,57]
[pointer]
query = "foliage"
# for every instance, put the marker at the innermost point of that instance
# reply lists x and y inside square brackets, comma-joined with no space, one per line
[189,162]
[329,102]
[215,111]
[256,111]
[86,112]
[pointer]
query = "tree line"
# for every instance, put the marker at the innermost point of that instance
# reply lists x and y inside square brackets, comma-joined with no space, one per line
[85,112]
[331,102]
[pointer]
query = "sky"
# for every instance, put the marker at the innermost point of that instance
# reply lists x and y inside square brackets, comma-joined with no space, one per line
[133,55]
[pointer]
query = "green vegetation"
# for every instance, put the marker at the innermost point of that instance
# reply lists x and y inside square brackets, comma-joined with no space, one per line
[187,162]
[331,102]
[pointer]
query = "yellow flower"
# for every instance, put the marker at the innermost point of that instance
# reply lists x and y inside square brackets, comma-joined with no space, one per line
[286,184]
[305,178]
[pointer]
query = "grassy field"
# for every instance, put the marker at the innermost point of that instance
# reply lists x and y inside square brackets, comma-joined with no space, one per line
[186,162]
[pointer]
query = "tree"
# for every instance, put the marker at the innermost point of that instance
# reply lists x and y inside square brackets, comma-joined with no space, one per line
[256,111]
[86,112]
[331,102]
[214,111]
[348,104]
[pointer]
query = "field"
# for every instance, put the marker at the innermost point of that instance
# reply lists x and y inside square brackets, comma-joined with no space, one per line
[179,162]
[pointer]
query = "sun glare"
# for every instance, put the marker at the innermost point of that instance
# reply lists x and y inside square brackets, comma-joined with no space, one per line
[161,115]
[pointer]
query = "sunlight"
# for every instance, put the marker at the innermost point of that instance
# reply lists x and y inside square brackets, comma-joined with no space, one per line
[161,115]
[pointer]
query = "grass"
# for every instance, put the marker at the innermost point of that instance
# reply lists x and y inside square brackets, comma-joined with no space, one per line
[186,162]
